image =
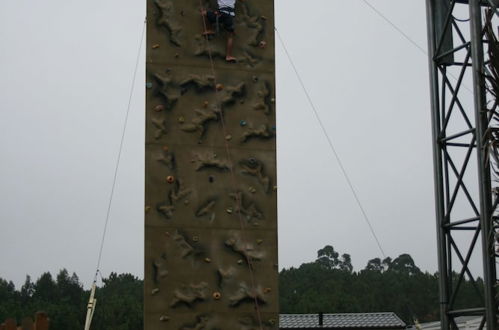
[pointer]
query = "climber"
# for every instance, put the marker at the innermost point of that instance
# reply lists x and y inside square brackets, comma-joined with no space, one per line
[224,16]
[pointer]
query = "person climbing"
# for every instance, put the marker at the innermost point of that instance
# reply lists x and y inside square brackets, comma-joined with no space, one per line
[224,16]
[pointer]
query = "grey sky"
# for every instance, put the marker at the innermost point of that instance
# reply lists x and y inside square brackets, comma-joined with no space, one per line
[65,76]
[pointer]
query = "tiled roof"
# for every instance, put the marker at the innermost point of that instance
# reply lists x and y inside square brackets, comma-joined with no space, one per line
[350,320]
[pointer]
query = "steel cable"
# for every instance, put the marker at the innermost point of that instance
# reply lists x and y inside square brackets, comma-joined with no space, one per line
[118,160]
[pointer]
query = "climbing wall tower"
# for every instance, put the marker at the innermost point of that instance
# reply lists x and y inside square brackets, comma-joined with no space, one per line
[210,181]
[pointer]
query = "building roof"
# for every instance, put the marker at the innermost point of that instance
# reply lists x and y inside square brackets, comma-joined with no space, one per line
[349,320]
[462,322]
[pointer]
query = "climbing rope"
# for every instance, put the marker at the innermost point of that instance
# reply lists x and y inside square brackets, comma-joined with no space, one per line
[92,301]
[229,158]
[408,38]
[332,147]
[118,160]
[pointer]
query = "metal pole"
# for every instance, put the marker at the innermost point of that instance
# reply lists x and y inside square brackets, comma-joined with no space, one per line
[438,167]
[484,178]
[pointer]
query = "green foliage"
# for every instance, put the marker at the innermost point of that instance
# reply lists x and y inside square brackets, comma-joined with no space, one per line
[119,305]
[64,299]
[327,285]
[327,258]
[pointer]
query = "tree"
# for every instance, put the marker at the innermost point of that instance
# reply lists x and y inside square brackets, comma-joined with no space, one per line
[387,263]
[27,290]
[9,301]
[327,257]
[69,289]
[120,301]
[404,264]
[45,288]
[375,265]
[346,263]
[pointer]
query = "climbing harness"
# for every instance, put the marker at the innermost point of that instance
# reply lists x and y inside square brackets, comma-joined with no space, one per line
[227,10]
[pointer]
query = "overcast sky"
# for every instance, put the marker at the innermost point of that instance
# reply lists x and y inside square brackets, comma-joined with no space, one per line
[65,75]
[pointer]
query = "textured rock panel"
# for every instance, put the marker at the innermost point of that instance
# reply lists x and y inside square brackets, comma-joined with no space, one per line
[211,191]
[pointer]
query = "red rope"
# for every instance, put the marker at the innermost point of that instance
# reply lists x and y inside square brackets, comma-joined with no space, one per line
[229,158]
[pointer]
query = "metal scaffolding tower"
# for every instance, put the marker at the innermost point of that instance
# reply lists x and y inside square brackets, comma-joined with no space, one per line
[465,144]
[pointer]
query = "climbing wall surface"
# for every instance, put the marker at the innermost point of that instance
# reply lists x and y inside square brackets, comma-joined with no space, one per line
[211,194]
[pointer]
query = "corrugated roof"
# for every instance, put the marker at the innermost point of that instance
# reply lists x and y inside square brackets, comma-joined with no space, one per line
[349,320]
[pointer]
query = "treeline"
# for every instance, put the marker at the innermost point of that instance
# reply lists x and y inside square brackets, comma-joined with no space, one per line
[119,304]
[329,285]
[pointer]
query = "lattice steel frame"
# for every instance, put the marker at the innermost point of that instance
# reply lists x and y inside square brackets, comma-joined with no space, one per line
[476,138]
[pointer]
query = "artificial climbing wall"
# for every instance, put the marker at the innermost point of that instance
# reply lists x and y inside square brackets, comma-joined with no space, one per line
[210,181]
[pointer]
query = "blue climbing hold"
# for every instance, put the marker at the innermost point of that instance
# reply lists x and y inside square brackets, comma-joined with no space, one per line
[243,123]
[149,85]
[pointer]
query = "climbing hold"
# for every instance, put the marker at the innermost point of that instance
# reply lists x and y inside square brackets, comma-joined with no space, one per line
[240,262]
[170,179]
[219,87]
[267,290]
[259,241]
[181,119]
[155,46]
[252,190]
[149,85]
[272,100]
[263,17]
[228,137]
[159,108]
[217,295]
[272,322]
[154,291]
[275,188]
[262,44]
[255,78]
[229,210]
[147,209]
[165,148]
[186,202]
[195,238]
[207,260]
[164,318]
[243,123]
[205,104]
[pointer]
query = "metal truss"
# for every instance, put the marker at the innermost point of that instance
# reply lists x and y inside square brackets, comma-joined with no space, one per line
[465,151]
